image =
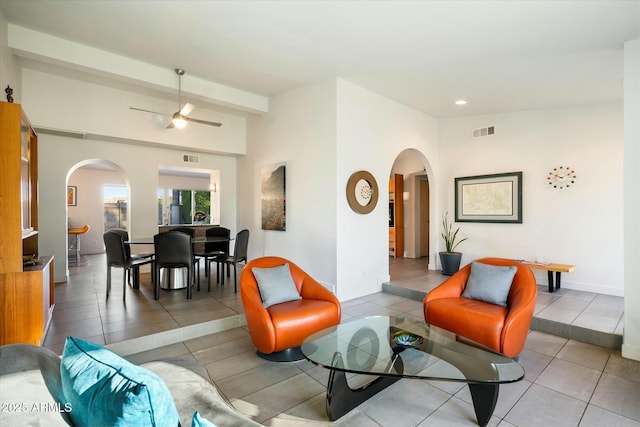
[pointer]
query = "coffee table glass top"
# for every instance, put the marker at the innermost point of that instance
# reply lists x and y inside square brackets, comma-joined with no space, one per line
[403,347]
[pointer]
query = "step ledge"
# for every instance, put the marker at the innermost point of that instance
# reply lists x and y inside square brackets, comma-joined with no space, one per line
[173,336]
[577,333]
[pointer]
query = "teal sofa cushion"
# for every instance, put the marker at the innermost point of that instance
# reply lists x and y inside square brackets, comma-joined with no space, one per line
[106,390]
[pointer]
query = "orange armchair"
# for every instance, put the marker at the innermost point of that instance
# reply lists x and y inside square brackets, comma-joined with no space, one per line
[278,331]
[504,329]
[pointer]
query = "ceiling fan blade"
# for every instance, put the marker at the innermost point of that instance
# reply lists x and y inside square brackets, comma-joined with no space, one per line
[188,108]
[204,122]
[149,111]
[170,125]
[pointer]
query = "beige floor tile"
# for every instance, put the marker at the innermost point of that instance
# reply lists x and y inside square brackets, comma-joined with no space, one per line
[454,413]
[258,378]
[598,417]
[283,396]
[540,406]
[544,343]
[407,402]
[622,367]
[619,395]
[569,378]
[584,354]
[233,365]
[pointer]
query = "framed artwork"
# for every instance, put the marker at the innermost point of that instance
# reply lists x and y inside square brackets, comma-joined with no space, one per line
[489,198]
[272,183]
[72,196]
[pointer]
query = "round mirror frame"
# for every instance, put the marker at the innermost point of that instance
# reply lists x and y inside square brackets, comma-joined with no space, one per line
[352,196]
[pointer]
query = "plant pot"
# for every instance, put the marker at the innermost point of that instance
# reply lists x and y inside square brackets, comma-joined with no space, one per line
[450,262]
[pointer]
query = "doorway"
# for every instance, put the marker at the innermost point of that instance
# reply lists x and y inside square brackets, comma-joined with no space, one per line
[90,178]
[416,199]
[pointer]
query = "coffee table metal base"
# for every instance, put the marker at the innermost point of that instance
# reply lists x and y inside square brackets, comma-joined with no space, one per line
[341,398]
[484,397]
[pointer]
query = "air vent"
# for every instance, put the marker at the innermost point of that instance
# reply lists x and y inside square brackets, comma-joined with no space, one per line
[482,132]
[187,158]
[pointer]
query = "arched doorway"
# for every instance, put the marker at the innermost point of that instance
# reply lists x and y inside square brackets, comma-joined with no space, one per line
[416,199]
[88,180]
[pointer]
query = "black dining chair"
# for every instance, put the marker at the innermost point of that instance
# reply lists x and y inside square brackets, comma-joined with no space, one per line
[173,249]
[127,249]
[214,249]
[196,261]
[117,256]
[239,255]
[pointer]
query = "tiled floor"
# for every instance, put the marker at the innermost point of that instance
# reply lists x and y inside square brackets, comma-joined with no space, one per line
[567,383]
[82,310]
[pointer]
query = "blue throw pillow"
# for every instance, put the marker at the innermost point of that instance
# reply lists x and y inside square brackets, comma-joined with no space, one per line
[489,283]
[106,390]
[276,285]
[198,421]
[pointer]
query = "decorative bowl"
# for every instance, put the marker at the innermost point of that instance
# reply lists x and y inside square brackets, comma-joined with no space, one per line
[407,339]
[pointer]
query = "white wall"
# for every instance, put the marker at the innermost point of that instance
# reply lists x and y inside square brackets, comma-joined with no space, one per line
[9,71]
[581,225]
[325,132]
[299,130]
[371,131]
[631,337]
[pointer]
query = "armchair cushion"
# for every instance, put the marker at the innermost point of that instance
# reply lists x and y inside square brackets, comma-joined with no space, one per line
[489,283]
[276,285]
[92,375]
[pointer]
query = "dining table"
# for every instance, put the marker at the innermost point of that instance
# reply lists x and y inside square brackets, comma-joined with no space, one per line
[194,241]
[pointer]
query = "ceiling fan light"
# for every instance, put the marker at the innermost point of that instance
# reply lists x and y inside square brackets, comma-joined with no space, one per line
[179,121]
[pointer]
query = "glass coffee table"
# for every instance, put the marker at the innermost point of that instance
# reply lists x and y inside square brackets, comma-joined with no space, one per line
[391,348]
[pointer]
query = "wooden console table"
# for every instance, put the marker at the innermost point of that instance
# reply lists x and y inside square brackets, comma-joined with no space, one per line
[550,269]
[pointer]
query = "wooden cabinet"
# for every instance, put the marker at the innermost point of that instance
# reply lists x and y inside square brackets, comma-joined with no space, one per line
[26,291]
[396,216]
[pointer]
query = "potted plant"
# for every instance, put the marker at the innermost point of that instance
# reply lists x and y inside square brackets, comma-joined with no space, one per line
[450,259]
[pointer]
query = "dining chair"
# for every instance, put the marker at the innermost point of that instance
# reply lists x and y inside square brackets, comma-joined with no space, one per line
[117,256]
[173,249]
[127,249]
[214,249]
[196,261]
[239,255]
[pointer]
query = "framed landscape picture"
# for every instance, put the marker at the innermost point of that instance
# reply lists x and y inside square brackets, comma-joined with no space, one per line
[272,183]
[489,198]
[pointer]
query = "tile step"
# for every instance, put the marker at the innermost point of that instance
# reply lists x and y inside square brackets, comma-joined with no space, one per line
[577,333]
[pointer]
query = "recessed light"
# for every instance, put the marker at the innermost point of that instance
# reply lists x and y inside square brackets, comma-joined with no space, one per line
[461,102]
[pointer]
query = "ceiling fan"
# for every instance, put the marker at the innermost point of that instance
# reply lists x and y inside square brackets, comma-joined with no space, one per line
[180,118]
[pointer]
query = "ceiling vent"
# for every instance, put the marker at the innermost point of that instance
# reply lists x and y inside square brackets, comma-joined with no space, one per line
[187,158]
[482,132]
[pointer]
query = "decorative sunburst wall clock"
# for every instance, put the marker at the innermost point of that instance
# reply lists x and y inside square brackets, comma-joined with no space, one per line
[561,177]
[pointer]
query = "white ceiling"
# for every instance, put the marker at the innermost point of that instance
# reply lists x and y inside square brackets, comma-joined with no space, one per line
[499,55]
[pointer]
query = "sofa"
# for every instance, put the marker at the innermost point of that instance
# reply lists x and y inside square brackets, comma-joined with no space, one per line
[32,391]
